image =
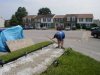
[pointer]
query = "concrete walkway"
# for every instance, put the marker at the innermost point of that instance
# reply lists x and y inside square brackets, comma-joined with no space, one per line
[32,64]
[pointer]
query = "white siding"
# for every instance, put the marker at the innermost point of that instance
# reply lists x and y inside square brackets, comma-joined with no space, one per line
[2,22]
[84,21]
[47,20]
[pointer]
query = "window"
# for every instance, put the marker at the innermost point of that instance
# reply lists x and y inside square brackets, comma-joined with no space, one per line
[49,19]
[24,20]
[56,19]
[88,19]
[61,19]
[68,18]
[80,19]
[29,20]
[73,18]
[44,19]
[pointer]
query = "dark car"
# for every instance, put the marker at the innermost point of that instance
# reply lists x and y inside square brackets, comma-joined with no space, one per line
[96,33]
[94,28]
[73,28]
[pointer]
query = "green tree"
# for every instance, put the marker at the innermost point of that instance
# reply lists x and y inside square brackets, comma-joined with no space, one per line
[20,13]
[44,11]
[13,21]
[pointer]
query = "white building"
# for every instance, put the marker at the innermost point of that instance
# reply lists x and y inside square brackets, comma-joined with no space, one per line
[2,21]
[44,21]
[28,21]
[85,19]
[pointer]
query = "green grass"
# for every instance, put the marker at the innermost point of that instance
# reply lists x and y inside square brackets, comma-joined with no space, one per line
[74,64]
[18,53]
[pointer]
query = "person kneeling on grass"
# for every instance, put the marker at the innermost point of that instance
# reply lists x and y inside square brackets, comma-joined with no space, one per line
[60,35]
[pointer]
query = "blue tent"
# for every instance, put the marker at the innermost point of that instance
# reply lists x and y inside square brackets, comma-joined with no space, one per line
[8,34]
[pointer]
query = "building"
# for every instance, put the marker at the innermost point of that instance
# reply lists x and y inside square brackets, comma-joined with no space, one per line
[44,21]
[85,19]
[50,21]
[58,20]
[28,21]
[2,22]
[70,20]
[79,19]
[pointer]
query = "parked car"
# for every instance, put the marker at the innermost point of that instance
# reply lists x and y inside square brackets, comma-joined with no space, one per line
[38,28]
[44,28]
[67,28]
[73,28]
[96,33]
[94,28]
[28,27]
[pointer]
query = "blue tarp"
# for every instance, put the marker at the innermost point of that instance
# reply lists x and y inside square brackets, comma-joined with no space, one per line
[8,34]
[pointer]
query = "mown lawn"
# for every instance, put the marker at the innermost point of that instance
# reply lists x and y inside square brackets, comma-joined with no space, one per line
[74,63]
[21,52]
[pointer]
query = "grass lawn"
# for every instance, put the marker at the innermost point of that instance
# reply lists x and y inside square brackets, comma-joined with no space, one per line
[21,52]
[74,63]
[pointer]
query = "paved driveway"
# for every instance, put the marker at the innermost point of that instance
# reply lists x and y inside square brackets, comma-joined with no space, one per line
[79,40]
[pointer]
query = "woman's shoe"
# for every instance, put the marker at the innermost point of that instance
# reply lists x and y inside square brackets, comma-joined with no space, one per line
[62,47]
[57,47]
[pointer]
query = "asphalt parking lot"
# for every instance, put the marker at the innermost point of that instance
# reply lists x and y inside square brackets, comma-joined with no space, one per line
[79,40]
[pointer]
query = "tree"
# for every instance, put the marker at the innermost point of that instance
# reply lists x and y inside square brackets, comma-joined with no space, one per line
[13,21]
[20,13]
[44,11]
[17,18]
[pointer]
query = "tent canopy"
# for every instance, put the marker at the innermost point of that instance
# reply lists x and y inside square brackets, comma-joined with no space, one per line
[8,34]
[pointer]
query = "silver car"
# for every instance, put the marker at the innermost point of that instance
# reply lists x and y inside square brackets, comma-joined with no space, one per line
[67,28]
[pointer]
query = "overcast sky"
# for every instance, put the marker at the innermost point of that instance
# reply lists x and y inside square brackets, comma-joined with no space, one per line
[59,7]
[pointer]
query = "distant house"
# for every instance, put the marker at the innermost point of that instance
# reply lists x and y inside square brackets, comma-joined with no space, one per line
[50,21]
[58,20]
[80,19]
[2,21]
[44,21]
[70,20]
[85,19]
[28,21]
[97,22]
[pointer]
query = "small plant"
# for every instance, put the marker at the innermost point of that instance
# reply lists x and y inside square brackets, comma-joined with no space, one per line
[67,51]
[56,63]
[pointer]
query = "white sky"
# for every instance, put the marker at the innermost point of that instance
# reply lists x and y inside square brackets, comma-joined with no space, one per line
[59,7]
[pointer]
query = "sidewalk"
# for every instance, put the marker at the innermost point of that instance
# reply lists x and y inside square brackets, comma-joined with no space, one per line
[32,64]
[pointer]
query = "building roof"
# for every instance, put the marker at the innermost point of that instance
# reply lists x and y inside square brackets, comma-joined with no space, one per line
[81,15]
[40,16]
[30,16]
[85,16]
[72,14]
[59,16]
